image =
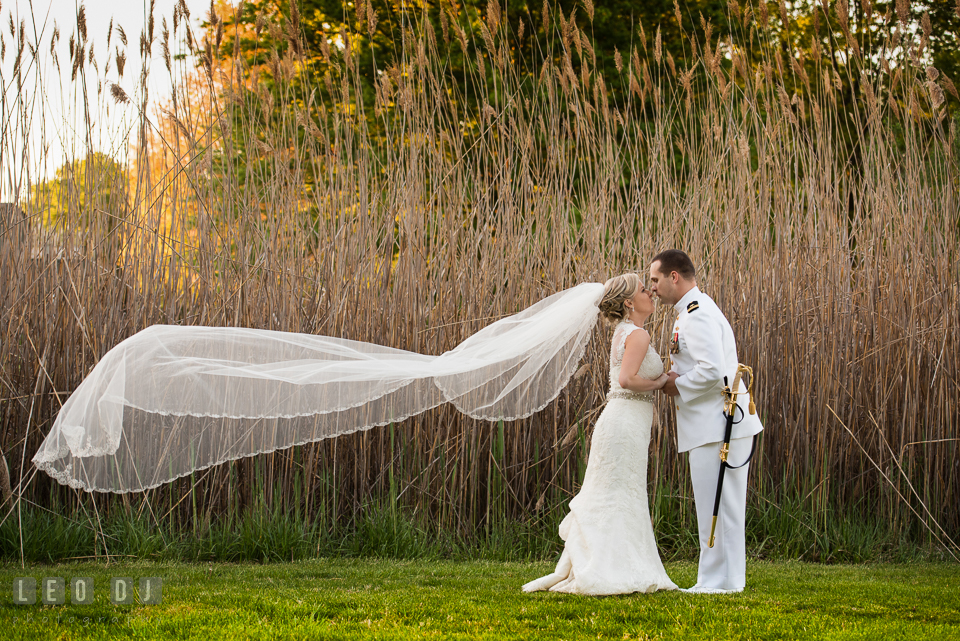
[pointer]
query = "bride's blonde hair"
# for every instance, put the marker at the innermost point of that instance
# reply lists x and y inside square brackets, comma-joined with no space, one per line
[617,291]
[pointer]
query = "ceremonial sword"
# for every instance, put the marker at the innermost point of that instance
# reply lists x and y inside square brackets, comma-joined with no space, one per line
[729,409]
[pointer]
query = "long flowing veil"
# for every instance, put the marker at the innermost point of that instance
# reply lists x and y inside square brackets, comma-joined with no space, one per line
[171,400]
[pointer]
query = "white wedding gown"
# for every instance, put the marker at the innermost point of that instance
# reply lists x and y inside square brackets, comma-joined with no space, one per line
[610,547]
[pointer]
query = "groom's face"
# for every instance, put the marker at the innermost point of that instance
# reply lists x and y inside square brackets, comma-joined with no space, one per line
[663,286]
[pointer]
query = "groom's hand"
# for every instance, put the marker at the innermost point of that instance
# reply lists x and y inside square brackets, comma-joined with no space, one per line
[670,387]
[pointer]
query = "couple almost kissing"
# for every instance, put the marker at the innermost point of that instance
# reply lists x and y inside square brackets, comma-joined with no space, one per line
[609,542]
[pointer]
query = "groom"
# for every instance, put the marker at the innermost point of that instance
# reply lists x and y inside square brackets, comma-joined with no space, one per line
[703,352]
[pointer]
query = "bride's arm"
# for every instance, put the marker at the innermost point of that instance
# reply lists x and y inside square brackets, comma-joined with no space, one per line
[635,351]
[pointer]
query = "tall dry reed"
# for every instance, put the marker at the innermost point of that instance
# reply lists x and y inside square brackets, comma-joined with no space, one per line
[819,203]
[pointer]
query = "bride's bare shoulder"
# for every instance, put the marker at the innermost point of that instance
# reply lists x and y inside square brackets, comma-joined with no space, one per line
[638,336]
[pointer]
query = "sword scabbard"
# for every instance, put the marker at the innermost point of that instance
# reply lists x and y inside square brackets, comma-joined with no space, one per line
[730,393]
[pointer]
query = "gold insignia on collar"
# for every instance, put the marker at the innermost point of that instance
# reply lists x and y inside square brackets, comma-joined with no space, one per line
[692,306]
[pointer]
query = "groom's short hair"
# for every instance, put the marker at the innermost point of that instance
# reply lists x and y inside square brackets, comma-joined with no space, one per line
[674,260]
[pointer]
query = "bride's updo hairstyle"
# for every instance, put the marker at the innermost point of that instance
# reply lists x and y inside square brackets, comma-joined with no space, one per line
[617,291]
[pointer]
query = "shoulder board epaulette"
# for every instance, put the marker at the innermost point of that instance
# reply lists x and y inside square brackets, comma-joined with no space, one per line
[692,306]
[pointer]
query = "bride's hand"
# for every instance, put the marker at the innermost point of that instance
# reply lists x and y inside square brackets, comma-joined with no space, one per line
[662,380]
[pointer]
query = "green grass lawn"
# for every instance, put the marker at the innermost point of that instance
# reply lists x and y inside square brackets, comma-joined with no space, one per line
[350,598]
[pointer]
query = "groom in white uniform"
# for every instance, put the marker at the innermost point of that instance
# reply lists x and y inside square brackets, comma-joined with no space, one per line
[703,352]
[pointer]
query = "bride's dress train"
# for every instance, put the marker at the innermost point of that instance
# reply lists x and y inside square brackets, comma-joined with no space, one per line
[610,546]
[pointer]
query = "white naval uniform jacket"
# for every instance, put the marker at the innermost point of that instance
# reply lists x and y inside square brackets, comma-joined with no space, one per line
[708,352]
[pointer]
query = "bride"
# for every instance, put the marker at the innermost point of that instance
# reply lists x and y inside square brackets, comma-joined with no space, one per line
[610,547]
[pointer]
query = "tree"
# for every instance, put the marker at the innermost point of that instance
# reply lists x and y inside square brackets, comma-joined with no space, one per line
[255,28]
[89,195]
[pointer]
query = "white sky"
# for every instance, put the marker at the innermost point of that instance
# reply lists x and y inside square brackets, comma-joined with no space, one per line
[51,119]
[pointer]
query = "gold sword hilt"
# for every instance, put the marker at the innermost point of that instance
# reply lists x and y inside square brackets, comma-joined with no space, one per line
[749,372]
[730,392]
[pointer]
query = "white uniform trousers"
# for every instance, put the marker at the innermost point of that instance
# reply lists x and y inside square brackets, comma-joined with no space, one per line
[724,565]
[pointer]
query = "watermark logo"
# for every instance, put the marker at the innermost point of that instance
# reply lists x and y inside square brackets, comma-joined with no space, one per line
[121,590]
[81,590]
[151,590]
[53,590]
[25,590]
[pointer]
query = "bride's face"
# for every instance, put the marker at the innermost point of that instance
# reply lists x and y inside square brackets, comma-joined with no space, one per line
[642,301]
